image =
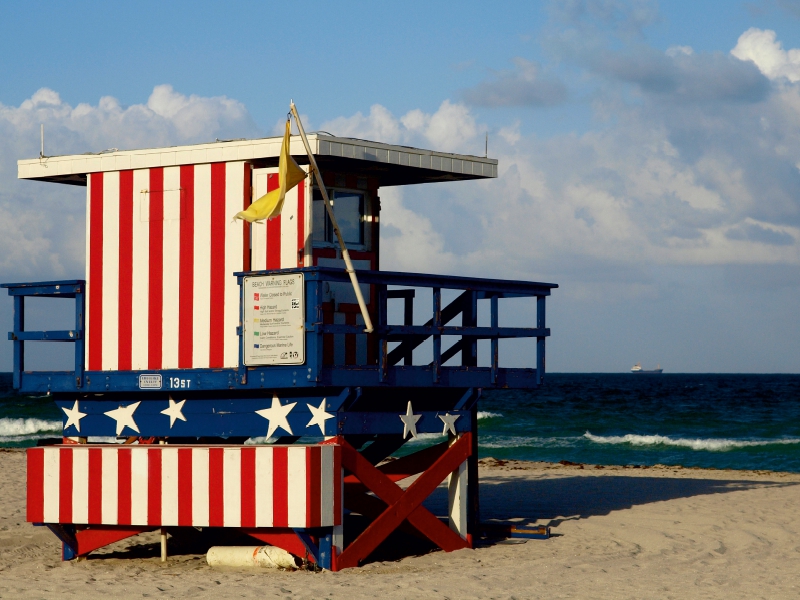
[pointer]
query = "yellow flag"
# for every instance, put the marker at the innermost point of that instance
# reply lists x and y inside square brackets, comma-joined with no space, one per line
[289,175]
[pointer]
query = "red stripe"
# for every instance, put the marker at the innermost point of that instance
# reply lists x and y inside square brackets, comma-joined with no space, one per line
[156,289]
[248,487]
[216,492]
[94,286]
[124,486]
[273,229]
[65,485]
[186,302]
[35,508]
[245,225]
[95,485]
[280,486]
[184,486]
[153,486]
[301,223]
[125,270]
[218,219]
[313,485]
[337,485]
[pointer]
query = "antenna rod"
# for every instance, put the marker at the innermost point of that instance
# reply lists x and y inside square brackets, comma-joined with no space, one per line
[41,152]
[486,152]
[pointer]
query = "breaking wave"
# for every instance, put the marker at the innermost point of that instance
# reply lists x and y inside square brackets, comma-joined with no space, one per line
[485,414]
[490,441]
[15,431]
[709,444]
[25,427]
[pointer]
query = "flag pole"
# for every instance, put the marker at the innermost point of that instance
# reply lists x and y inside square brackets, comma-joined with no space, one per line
[345,254]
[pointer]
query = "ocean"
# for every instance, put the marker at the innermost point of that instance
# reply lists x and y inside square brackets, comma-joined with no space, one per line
[698,420]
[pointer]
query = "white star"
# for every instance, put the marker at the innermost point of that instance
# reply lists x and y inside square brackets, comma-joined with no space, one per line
[449,423]
[319,416]
[174,411]
[124,416]
[74,416]
[276,415]
[410,422]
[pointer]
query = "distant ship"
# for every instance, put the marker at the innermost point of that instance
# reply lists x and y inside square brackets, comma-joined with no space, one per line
[637,368]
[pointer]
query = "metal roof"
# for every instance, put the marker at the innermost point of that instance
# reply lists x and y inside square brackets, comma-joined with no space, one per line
[390,164]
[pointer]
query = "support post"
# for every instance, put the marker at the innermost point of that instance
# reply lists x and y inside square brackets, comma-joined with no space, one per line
[469,318]
[495,342]
[408,320]
[540,324]
[80,344]
[19,345]
[473,499]
[163,545]
[437,339]
[457,496]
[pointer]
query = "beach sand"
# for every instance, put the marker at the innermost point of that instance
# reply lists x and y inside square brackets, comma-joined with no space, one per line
[659,532]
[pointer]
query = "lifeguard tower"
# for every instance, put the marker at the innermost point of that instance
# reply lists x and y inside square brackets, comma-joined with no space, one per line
[194,334]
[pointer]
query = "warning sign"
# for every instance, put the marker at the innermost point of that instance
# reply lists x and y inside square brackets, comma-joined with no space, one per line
[274,331]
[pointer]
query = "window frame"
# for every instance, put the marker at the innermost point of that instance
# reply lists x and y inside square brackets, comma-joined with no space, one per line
[366,217]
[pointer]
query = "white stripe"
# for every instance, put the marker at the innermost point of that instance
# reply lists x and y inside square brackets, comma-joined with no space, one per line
[141,268]
[202,266]
[80,485]
[110,271]
[289,230]
[326,485]
[173,199]
[200,487]
[110,483]
[50,485]
[297,486]
[139,486]
[258,254]
[309,259]
[234,199]
[87,337]
[232,487]
[169,486]
[264,496]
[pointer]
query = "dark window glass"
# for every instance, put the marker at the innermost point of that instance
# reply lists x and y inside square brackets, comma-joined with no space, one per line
[349,210]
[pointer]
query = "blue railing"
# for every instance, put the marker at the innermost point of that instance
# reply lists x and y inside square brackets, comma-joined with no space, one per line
[72,288]
[393,344]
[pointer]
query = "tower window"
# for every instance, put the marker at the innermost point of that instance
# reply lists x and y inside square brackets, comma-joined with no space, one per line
[348,207]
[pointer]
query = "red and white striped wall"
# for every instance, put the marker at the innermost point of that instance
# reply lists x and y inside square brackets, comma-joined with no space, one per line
[161,251]
[283,242]
[200,486]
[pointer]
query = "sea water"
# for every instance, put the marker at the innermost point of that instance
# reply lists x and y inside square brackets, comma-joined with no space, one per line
[716,420]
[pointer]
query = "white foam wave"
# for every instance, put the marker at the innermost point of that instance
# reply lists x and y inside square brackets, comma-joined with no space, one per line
[710,444]
[527,442]
[485,414]
[26,427]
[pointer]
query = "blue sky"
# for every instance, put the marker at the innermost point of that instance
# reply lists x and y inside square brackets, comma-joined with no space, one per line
[649,152]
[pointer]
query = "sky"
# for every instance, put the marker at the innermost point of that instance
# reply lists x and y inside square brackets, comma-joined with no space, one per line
[649,153]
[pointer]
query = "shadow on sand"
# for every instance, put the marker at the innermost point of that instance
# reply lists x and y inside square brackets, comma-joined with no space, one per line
[552,500]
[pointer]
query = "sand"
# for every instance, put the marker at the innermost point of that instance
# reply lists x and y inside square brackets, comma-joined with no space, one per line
[660,532]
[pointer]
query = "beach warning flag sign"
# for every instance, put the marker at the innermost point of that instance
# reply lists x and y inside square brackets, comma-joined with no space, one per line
[289,175]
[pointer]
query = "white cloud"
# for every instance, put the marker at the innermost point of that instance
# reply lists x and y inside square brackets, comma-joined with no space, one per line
[761,47]
[452,128]
[674,51]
